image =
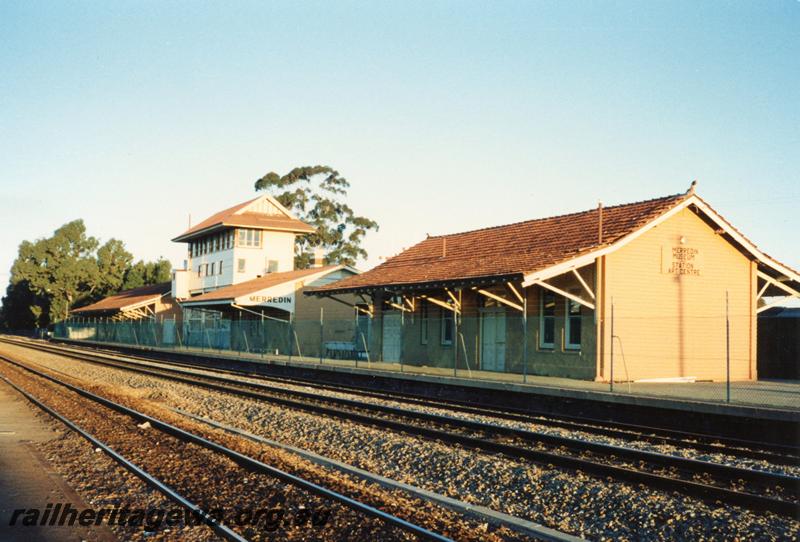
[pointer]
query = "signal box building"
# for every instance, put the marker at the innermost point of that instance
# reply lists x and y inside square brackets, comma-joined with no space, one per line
[643,290]
[240,268]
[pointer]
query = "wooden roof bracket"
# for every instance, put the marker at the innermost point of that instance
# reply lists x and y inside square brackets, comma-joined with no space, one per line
[515,292]
[500,299]
[442,304]
[583,283]
[353,305]
[565,294]
[770,281]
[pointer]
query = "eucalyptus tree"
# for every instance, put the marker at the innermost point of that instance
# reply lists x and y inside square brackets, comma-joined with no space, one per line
[317,195]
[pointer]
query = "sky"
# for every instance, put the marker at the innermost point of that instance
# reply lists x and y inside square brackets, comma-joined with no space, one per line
[444,116]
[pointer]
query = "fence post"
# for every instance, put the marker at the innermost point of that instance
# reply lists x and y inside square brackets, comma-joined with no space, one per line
[727,351]
[525,338]
[291,342]
[612,346]
[321,332]
[402,335]
[455,342]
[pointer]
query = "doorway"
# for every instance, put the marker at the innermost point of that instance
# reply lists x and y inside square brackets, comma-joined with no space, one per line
[392,335]
[493,339]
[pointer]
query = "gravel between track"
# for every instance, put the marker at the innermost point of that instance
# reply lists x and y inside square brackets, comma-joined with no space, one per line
[678,451]
[226,486]
[103,484]
[565,500]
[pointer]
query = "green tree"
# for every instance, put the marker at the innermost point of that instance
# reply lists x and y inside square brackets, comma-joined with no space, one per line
[113,262]
[60,268]
[144,273]
[21,308]
[52,275]
[316,195]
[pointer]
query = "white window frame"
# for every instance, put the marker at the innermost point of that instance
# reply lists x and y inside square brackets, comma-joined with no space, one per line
[568,303]
[543,318]
[241,265]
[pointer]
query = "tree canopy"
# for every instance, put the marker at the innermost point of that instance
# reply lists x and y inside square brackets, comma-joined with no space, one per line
[54,274]
[316,195]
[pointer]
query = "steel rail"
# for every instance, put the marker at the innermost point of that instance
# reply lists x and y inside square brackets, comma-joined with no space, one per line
[243,460]
[780,454]
[579,445]
[711,493]
[222,530]
[784,455]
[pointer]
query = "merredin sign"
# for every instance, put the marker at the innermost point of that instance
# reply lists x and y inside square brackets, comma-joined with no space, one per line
[281,298]
[285,301]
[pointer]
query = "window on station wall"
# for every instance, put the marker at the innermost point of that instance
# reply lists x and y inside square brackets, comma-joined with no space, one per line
[272,266]
[200,270]
[213,268]
[219,269]
[205,271]
[230,238]
[423,321]
[240,265]
[573,324]
[447,331]
[547,320]
[249,238]
[214,244]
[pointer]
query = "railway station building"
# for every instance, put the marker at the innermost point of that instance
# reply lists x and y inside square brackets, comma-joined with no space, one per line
[652,290]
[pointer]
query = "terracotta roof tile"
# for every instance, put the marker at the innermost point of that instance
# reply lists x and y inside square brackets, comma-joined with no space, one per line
[128,298]
[229,217]
[512,249]
[271,279]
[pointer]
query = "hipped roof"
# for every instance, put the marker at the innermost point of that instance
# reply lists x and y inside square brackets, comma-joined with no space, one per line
[238,215]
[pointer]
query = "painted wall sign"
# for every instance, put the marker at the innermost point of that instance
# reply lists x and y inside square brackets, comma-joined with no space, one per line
[281,297]
[680,260]
[270,299]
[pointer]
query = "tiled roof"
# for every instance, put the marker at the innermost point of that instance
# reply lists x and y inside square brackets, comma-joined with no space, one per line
[510,250]
[127,299]
[271,279]
[229,217]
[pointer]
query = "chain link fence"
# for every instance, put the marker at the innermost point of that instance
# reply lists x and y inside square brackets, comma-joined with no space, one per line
[709,357]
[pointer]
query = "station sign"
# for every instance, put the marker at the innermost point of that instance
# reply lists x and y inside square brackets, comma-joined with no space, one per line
[681,260]
[280,296]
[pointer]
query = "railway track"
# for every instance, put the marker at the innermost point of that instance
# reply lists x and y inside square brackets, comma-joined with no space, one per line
[242,461]
[655,470]
[773,453]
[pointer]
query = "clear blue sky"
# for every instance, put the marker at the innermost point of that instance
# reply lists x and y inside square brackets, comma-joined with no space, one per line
[445,116]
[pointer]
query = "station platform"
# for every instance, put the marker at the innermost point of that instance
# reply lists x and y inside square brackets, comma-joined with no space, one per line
[764,411]
[27,481]
[771,399]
